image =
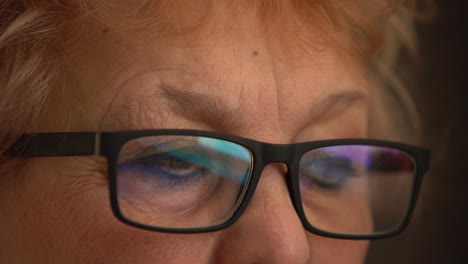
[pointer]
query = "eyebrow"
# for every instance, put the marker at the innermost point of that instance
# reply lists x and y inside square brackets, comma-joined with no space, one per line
[213,109]
[196,106]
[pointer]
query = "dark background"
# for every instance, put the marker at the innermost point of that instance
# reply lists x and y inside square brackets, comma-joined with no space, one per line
[439,229]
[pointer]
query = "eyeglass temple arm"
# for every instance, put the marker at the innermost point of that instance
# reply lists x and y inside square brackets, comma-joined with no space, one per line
[56,144]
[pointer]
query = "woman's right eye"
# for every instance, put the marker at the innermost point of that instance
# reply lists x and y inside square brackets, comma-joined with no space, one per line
[165,180]
[164,167]
[173,169]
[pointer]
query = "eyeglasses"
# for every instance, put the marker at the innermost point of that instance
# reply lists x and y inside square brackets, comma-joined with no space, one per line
[187,181]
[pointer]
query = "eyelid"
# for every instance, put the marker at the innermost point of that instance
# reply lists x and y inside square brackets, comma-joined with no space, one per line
[158,148]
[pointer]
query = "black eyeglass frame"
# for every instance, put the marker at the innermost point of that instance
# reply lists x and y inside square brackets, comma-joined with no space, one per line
[109,144]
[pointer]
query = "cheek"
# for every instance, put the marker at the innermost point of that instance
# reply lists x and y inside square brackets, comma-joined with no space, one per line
[64,214]
[328,250]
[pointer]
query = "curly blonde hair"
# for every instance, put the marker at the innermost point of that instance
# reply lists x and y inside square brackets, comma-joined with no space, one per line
[34,35]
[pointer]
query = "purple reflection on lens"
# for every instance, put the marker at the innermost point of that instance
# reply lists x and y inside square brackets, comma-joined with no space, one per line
[355,154]
[375,158]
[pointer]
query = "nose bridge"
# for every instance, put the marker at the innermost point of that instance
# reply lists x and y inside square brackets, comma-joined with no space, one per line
[281,153]
[277,153]
[270,219]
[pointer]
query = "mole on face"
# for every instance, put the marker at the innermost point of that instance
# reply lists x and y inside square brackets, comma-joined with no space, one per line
[254,53]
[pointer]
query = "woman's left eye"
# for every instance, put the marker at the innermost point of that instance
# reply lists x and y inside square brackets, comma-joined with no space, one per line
[327,172]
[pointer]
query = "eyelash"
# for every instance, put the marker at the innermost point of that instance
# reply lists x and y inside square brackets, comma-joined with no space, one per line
[164,177]
[320,179]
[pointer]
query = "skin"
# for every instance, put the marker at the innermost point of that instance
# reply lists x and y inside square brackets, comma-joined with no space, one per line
[228,75]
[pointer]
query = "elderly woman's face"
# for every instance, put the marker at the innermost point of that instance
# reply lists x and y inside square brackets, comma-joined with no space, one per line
[228,75]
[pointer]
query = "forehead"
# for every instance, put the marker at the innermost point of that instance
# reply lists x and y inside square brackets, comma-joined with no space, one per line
[233,34]
[280,70]
[309,24]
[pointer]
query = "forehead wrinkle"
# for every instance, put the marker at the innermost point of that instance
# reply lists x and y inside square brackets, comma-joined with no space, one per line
[213,110]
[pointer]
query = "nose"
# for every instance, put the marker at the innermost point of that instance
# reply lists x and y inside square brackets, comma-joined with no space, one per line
[269,231]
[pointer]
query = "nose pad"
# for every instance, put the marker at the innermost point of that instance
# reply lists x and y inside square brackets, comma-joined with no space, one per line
[269,230]
[293,186]
[291,183]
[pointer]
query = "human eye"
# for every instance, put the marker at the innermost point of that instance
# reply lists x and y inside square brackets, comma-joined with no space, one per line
[326,170]
[165,178]
[163,166]
[179,180]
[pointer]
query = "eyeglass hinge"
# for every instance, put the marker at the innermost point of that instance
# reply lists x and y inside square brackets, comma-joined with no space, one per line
[97,144]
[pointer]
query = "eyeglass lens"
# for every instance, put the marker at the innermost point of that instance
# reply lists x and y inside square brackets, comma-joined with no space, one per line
[181,181]
[356,189]
[195,182]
